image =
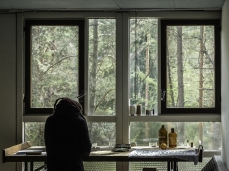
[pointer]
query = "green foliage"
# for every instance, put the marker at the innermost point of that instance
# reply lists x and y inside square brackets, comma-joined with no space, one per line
[54,64]
[55,74]
[34,132]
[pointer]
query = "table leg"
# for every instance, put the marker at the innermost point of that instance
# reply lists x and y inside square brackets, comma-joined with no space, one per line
[31,166]
[25,166]
[175,166]
[168,166]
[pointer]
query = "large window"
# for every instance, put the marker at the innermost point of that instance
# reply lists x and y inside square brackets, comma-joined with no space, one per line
[190,66]
[54,63]
[171,67]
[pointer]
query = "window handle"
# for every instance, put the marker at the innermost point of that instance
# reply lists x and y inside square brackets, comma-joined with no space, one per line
[163,92]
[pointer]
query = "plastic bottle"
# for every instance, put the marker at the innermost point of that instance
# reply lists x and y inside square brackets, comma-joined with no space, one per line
[172,139]
[162,135]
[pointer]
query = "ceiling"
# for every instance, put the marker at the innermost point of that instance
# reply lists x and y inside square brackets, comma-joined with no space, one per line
[13,5]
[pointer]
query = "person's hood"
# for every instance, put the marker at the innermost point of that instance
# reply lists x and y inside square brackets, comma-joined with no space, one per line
[66,110]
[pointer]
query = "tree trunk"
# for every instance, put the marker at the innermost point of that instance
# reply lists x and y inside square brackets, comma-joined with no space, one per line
[170,83]
[136,85]
[201,63]
[180,102]
[147,84]
[93,68]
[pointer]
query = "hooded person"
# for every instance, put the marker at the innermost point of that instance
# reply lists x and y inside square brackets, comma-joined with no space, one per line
[66,137]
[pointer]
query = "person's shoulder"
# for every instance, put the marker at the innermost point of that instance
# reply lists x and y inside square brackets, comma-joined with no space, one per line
[79,118]
[49,118]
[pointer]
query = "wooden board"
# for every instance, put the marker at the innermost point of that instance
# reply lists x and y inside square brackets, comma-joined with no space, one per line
[15,149]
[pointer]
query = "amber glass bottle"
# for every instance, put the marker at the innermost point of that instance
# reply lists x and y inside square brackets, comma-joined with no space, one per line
[172,139]
[162,135]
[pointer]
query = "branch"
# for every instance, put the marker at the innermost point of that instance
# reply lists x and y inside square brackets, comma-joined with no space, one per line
[54,65]
[102,99]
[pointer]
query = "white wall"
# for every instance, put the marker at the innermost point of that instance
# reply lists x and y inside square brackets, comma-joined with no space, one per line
[225,82]
[7,85]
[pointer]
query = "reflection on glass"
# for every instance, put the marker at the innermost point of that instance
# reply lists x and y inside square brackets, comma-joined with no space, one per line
[208,133]
[102,66]
[143,63]
[190,67]
[54,64]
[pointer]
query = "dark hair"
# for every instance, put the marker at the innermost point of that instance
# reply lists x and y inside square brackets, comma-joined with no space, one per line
[68,101]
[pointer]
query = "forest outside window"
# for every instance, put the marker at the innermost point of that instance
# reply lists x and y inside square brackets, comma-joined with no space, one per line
[143,63]
[54,53]
[190,66]
[102,66]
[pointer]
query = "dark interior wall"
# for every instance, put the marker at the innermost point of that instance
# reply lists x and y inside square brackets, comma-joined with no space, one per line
[7,85]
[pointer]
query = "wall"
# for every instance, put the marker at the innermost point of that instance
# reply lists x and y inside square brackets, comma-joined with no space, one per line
[225,81]
[7,85]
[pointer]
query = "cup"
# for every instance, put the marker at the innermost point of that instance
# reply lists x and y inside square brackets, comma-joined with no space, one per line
[94,145]
[152,144]
[110,144]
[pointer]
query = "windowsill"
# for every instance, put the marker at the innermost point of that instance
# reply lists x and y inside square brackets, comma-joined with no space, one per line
[177,118]
[143,118]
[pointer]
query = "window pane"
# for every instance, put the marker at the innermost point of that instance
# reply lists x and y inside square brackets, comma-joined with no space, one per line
[102,66]
[190,67]
[34,132]
[143,63]
[209,133]
[54,64]
[102,133]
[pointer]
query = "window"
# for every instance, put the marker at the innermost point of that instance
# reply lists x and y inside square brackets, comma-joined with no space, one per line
[143,63]
[120,59]
[102,67]
[54,63]
[208,133]
[190,66]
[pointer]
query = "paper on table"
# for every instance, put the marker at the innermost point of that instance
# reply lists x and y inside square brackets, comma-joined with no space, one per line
[30,152]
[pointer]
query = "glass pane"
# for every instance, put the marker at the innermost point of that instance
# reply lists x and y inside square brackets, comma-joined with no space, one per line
[143,63]
[54,64]
[34,132]
[102,66]
[102,133]
[190,67]
[209,133]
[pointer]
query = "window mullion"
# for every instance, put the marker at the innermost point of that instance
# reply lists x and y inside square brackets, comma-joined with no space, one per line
[126,82]
[119,78]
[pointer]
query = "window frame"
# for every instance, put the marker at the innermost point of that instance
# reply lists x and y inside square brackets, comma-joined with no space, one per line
[191,22]
[28,110]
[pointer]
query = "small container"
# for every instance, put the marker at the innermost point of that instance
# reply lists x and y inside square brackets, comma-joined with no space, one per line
[94,145]
[172,139]
[132,110]
[162,135]
[139,110]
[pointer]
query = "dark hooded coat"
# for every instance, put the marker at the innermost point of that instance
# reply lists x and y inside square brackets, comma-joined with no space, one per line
[66,138]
